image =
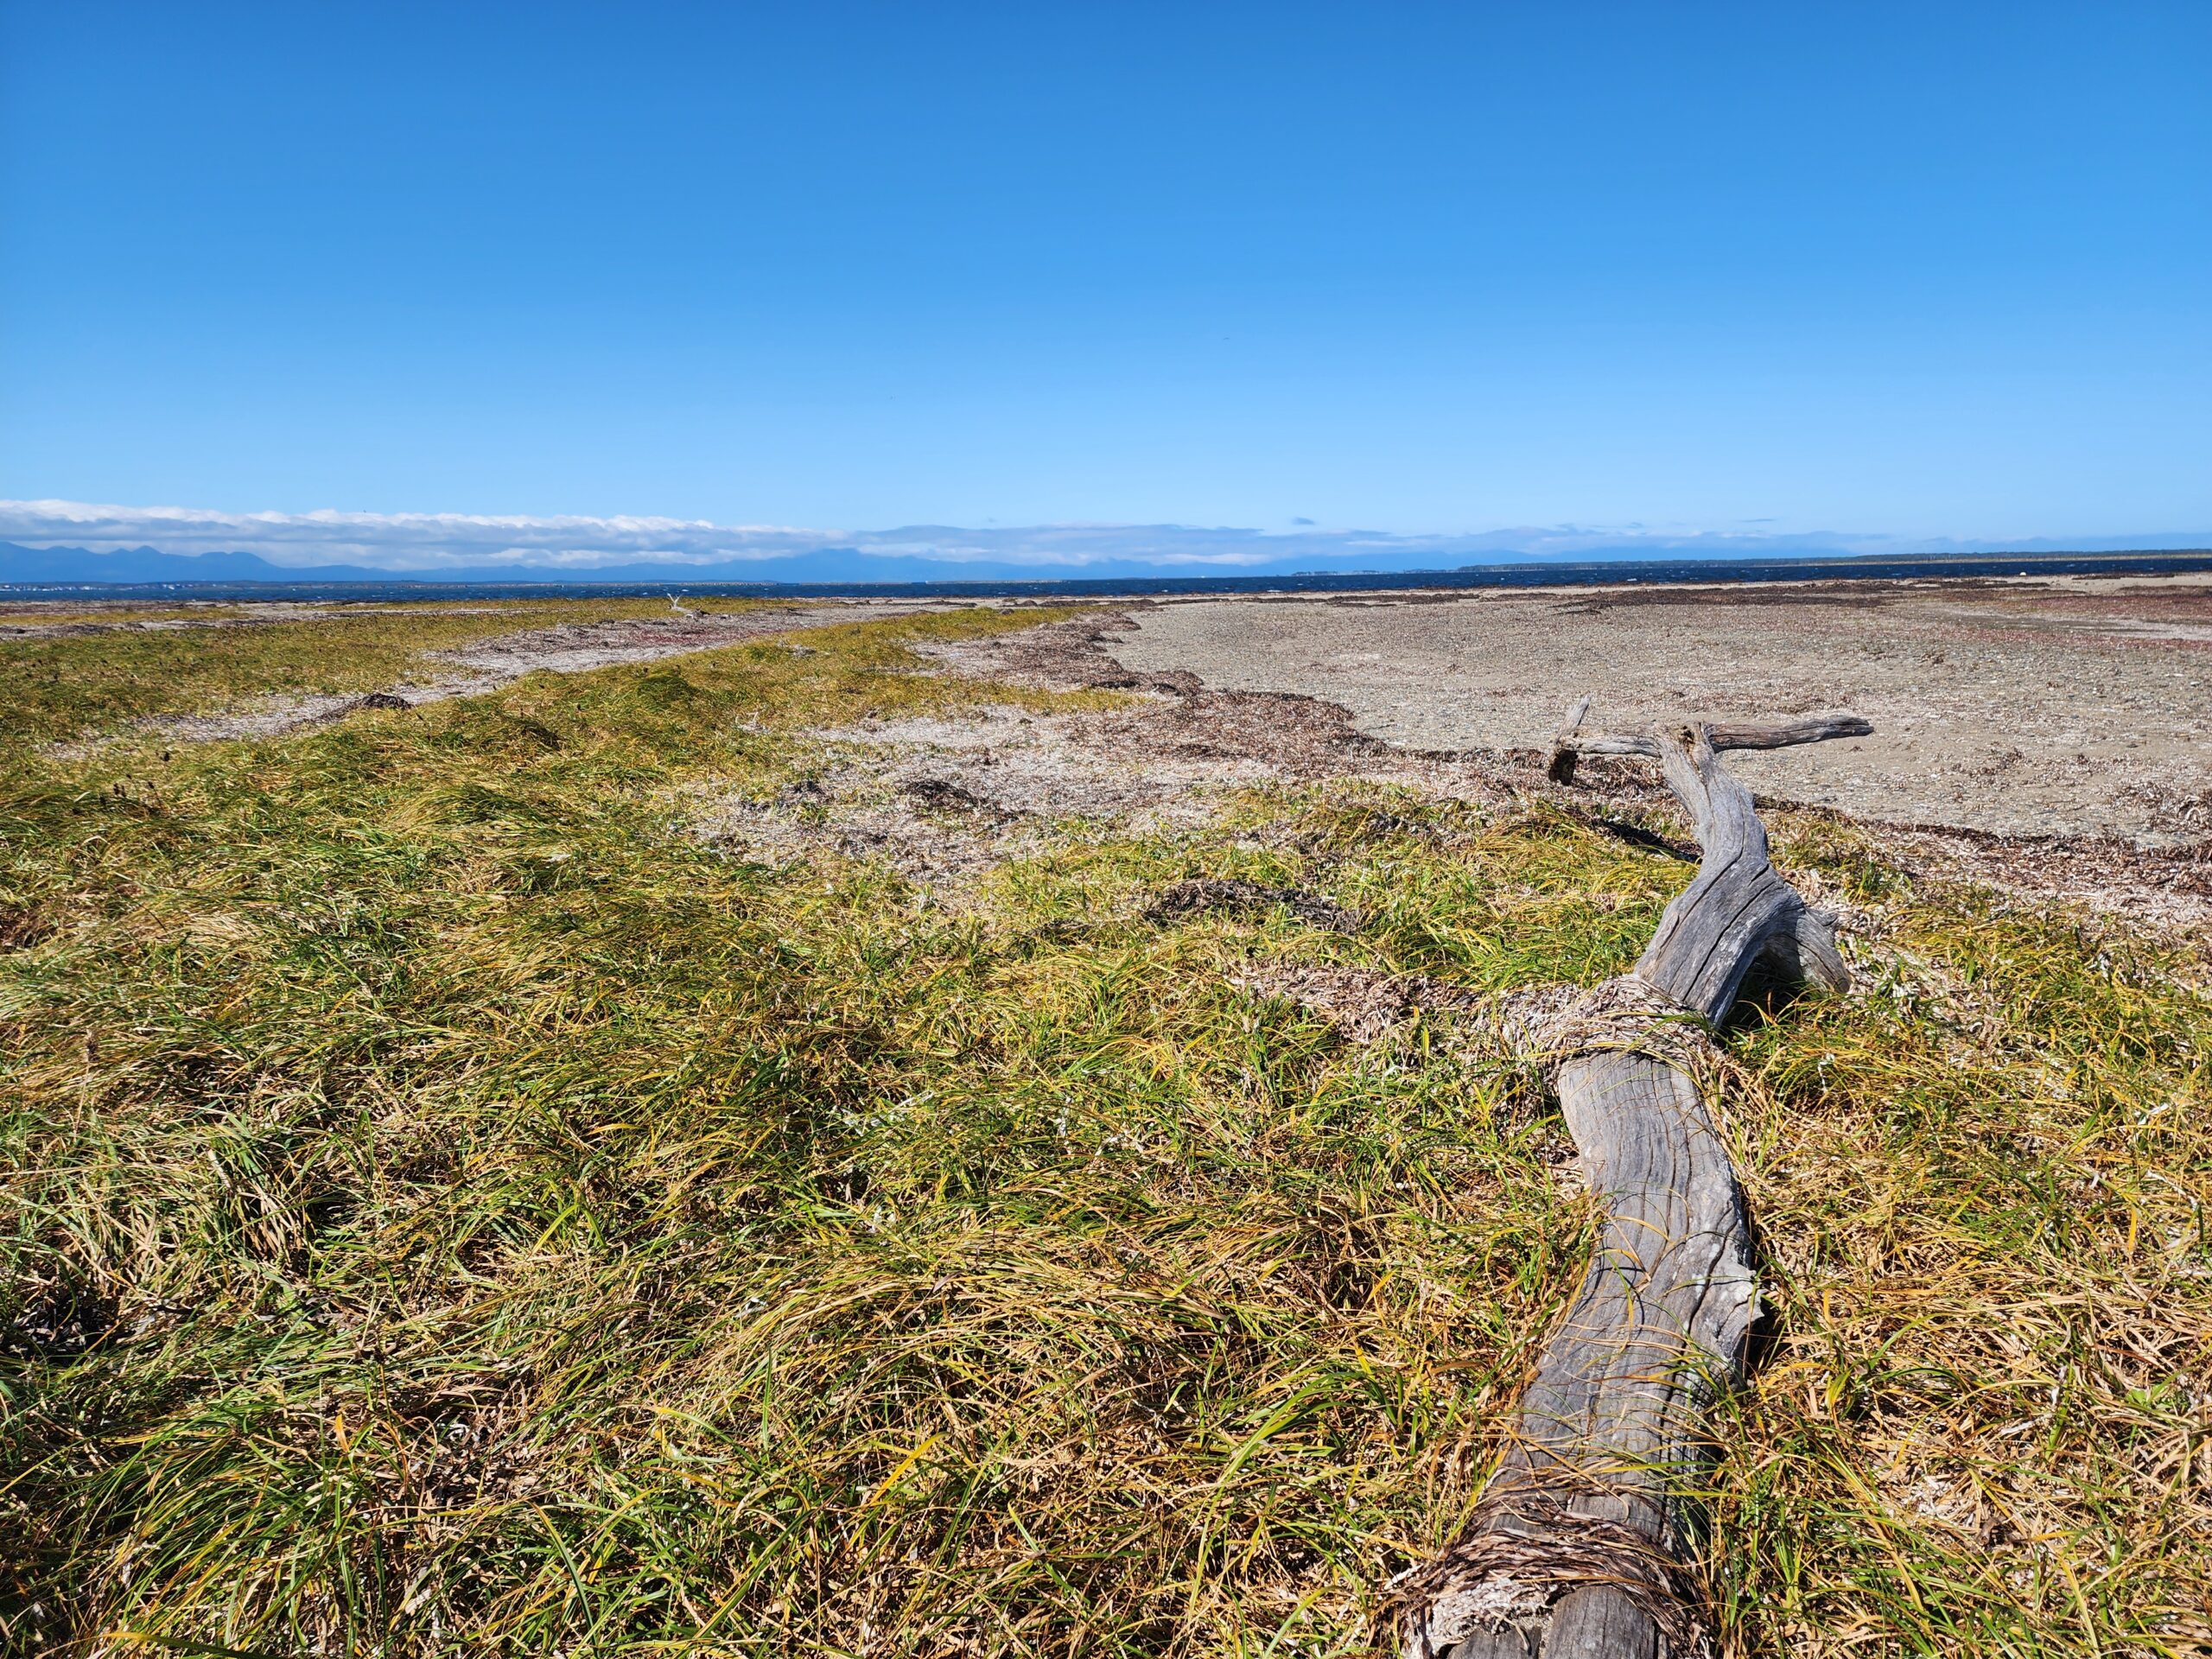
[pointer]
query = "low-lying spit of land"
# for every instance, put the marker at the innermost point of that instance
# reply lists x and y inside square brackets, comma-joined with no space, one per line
[912,1136]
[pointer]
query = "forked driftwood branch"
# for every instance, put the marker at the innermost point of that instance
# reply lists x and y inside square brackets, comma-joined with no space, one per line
[1568,747]
[1578,1545]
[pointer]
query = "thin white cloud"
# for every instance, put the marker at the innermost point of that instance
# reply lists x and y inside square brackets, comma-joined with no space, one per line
[431,542]
[399,541]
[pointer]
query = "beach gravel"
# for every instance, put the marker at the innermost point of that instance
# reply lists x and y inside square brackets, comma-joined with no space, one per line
[2074,705]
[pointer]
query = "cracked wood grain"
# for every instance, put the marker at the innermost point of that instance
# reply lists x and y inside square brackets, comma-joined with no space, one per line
[1612,1422]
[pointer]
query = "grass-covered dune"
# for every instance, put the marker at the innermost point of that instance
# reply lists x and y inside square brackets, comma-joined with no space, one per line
[453,1207]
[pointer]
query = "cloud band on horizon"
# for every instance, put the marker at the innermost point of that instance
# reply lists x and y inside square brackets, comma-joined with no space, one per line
[431,542]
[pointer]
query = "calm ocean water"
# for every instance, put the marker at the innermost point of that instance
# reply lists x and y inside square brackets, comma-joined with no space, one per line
[1481,575]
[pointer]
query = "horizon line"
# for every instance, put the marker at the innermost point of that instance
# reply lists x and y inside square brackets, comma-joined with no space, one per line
[433,546]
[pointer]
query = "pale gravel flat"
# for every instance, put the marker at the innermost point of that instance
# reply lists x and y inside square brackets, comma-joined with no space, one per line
[946,798]
[2073,705]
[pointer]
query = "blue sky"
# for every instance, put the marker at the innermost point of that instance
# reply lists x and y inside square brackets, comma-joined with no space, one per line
[1899,272]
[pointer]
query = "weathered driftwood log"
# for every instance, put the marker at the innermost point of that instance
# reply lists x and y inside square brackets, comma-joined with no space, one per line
[1568,749]
[1578,1545]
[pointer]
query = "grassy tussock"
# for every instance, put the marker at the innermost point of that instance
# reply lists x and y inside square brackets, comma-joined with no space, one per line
[454,1209]
[55,687]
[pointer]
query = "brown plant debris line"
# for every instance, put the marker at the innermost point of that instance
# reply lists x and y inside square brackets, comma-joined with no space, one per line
[1543,1025]
[1247,901]
[22,927]
[942,795]
[1177,718]
[1498,1577]
[2163,884]
[2065,705]
[1071,655]
[1363,1004]
[2152,881]
[1296,735]
[1239,736]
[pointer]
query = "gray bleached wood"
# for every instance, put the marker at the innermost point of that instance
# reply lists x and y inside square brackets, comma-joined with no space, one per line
[1563,748]
[1770,735]
[1578,1545]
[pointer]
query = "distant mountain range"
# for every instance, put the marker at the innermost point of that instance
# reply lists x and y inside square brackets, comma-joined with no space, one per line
[149,565]
[22,565]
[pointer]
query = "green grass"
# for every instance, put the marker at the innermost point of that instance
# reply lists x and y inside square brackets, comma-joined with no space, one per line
[55,687]
[454,1209]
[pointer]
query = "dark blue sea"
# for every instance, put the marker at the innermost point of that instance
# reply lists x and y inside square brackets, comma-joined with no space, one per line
[1533,575]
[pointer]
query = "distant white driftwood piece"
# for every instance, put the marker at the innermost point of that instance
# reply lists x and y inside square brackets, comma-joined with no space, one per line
[1578,1546]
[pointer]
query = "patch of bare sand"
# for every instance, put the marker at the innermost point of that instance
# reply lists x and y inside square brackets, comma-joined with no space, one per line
[1155,761]
[577,647]
[945,799]
[2022,707]
[2163,885]
[1019,777]
[275,716]
[562,648]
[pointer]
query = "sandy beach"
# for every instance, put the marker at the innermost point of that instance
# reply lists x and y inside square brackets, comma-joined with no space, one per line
[2068,705]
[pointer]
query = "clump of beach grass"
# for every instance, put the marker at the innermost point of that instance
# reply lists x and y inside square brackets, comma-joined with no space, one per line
[452,1207]
[55,687]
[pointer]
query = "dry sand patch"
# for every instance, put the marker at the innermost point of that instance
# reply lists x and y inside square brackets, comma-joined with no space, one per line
[1153,761]
[944,798]
[2070,705]
[558,648]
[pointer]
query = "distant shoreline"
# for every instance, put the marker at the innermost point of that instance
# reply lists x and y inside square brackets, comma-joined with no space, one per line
[1528,575]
